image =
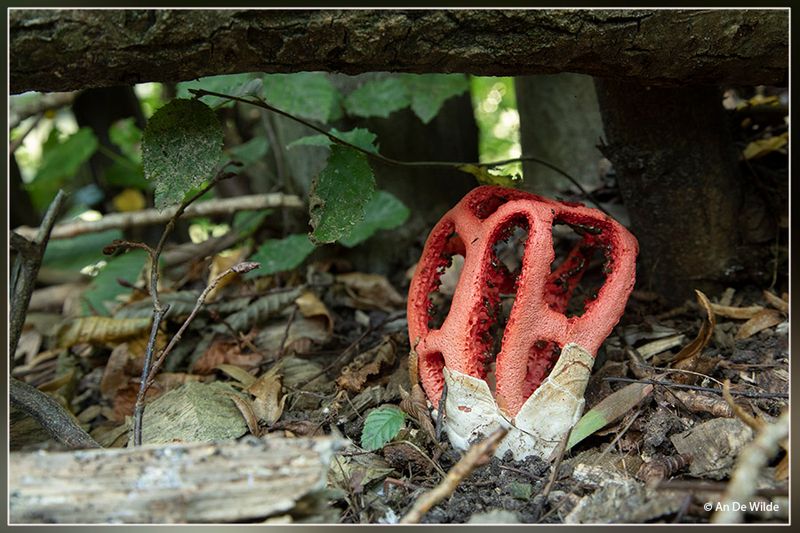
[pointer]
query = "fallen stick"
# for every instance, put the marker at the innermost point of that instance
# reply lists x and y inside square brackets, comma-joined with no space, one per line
[200,482]
[145,217]
[477,455]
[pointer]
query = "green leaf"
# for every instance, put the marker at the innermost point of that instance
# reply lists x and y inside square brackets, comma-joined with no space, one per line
[181,147]
[361,137]
[485,177]
[60,162]
[381,426]
[128,137]
[233,84]
[126,173]
[340,194]
[378,98]
[384,211]
[246,222]
[610,408]
[430,91]
[279,255]
[251,151]
[105,288]
[308,95]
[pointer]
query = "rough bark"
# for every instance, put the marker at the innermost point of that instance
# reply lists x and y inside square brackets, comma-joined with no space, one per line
[205,482]
[76,49]
[559,122]
[676,169]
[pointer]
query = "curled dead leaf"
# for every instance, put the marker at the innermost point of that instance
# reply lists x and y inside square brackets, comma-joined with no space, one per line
[739,313]
[268,399]
[219,264]
[100,330]
[370,291]
[370,363]
[776,301]
[225,351]
[310,306]
[694,348]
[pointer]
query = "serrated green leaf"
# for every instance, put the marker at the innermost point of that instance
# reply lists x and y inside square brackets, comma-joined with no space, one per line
[378,98]
[361,137]
[233,84]
[430,91]
[610,408]
[104,288]
[279,255]
[384,211]
[251,151]
[60,162]
[181,147]
[381,426]
[339,194]
[309,95]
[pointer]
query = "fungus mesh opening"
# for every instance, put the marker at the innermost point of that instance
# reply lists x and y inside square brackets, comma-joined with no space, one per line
[542,359]
[448,272]
[578,270]
[508,251]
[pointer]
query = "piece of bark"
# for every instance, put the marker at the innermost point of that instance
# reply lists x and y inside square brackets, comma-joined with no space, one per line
[216,482]
[54,50]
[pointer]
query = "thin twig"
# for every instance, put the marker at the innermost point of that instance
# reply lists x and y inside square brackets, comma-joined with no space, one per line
[50,415]
[458,165]
[159,311]
[478,454]
[746,394]
[26,269]
[144,217]
[239,268]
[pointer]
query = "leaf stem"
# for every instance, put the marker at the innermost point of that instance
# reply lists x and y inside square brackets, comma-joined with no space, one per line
[258,102]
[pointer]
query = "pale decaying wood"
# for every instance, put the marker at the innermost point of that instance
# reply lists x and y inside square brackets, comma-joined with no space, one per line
[207,482]
[253,202]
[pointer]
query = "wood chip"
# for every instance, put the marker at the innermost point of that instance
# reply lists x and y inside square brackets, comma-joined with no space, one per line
[766,318]
[739,313]
[775,301]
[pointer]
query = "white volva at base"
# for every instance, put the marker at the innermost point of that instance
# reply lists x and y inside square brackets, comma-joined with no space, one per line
[542,422]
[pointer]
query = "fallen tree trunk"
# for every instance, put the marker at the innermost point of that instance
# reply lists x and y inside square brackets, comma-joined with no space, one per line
[58,50]
[208,482]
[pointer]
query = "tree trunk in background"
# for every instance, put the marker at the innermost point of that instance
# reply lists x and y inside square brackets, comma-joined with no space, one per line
[559,122]
[676,169]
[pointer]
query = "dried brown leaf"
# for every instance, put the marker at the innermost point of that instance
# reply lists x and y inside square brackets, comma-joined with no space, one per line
[740,313]
[776,301]
[246,407]
[370,291]
[268,403]
[763,320]
[219,264]
[224,351]
[782,470]
[370,363]
[416,405]
[237,373]
[100,330]
[694,348]
[310,306]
